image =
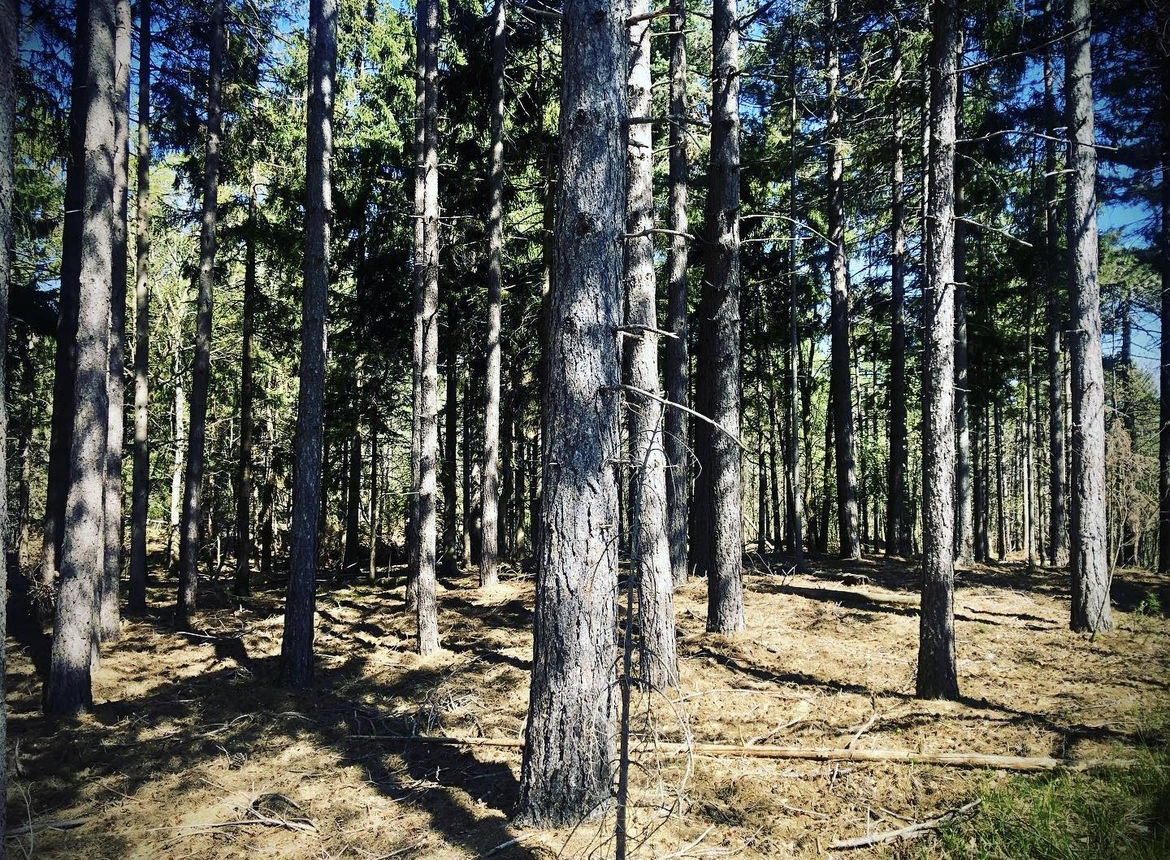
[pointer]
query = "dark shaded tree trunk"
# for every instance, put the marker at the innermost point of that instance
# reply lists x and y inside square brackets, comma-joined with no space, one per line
[650,539]
[717,543]
[9,58]
[1089,563]
[1054,321]
[1000,491]
[65,358]
[569,755]
[296,648]
[841,382]
[189,543]
[897,522]
[490,492]
[451,548]
[677,371]
[937,678]
[109,614]
[353,502]
[67,689]
[140,486]
[243,578]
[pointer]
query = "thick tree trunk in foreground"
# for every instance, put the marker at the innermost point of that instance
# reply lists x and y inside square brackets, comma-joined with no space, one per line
[841,389]
[426,608]
[67,690]
[717,542]
[140,487]
[649,519]
[9,57]
[109,618]
[964,487]
[569,754]
[676,371]
[937,677]
[65,357]
[490,494]
[418,274]
[296,650]
[1089,561]
[201,368]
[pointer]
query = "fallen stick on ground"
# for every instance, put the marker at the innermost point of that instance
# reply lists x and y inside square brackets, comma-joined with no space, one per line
[911,831]
[974,760]
[38,826]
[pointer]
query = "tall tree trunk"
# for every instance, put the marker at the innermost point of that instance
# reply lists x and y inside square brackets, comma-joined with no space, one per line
[1000,491]
[353,502]
[418,279]
[650,516]
[794,467]
[200,371]
[676,371]
[9,57]
[569,756]
[140,488]
[296,648]
[1091,575]
[897,522]
[374,512]
[65,356]
[1054,321]
[717,543]
[243,579]
[109,617]
[964,496]
[490,493]
[937,678]
[841,387]
[67,689]
[426,608]
[179,435]
[466,446]
[451,549]
[1164,376]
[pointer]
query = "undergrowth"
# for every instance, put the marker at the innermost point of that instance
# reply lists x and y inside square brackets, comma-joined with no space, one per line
[1120,813]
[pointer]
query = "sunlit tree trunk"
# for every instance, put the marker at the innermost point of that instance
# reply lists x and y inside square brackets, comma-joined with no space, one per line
[67,689]
[569,755]
[1091,575]
[897,522]
[937,678]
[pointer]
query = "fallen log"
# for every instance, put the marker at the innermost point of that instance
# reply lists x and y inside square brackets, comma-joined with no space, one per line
[943,759]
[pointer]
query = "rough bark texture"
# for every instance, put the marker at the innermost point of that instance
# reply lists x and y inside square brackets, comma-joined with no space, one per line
[296,650]
[1089,562]
[426,608]
[9,57]
[65,360]
[841,387]
[140,487]
[569,753]
[964,488]
[677,373]
[1054,317]
[649,539]
[489,554]
[109,611]
[67,690]
[937,677]
[717,539]
[897,522]
[242,586]
[417,279]
[200,369]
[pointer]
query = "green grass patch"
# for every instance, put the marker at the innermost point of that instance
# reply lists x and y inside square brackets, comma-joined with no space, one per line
[1113,814]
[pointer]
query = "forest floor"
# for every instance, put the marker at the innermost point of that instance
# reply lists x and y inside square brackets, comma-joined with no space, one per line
[192,751]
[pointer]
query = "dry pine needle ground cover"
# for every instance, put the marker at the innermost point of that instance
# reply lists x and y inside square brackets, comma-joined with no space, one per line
[193,752]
